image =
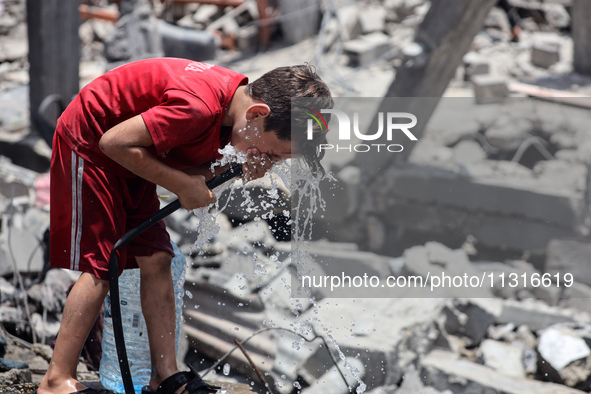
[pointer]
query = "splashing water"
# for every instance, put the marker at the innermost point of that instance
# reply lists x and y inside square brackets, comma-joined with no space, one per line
[306,199]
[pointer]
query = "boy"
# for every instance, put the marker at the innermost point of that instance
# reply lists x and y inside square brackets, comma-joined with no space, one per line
[155,121]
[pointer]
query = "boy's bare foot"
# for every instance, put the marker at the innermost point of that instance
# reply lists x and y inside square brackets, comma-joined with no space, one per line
[65,386]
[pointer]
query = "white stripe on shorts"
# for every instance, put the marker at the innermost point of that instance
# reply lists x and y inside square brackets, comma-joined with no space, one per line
[76,231]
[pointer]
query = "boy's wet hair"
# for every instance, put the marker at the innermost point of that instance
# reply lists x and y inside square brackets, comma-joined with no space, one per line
[276,88]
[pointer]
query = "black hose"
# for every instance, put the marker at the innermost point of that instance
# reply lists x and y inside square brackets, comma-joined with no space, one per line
[114,271]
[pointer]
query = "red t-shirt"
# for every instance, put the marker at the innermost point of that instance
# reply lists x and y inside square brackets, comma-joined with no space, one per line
[181,101]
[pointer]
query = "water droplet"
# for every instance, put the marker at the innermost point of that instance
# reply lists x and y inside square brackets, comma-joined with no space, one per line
[226,370]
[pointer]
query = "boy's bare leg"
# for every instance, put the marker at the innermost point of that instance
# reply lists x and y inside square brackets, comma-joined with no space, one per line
[80,312]
[157,295]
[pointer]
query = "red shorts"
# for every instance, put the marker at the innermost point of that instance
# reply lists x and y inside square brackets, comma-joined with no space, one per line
[91,209]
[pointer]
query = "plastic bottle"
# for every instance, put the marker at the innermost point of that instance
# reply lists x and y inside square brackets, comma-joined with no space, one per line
[134,328]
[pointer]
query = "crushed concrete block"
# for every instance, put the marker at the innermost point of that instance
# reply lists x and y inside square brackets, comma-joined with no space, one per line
[290,355]
[444,370]
[12,49]
[556,15]
[469,320]
[364,50]
[569,258]
[393,344]
[247,38]
[7,291]
[23,241]
[15,376]
[508,133]
[302,21]
[468,152]
[427,199]
[577,297]
[475,64]
[349,17]
[413,384]
[560,346]
[503,357]
[372,19]
[545,53]
[535,315]
[489,89]
[206,13]
[565,349]
[332,382]
[438,262]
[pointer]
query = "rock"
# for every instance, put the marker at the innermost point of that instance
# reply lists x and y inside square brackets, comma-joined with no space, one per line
[372,19]
[392,343]
[51,293]
[565,349]
[568,259]
[508,133]
[545,54]
[7,365]
[367,48]
[535,314]
[556,15]
[468,152]
[15,376]
[413,384]
[489,89]
[7,290]
[444,370]
[503,357]
[12,49]
[468,319]
[332,382]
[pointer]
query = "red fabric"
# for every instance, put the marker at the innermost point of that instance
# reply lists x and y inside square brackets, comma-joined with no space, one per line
[95,201]
[91,209]
[181,101]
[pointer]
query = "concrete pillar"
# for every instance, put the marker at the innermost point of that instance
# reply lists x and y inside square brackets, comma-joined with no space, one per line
[54,54]
[581,32]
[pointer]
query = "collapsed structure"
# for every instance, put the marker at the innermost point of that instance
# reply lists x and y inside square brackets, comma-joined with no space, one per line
[495,185]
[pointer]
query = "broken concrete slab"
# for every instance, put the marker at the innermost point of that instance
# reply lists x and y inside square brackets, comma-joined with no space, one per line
[564,347]
[371,19]
[569,257]
[545,54]
[386,352]
[536,315]
[444,370]
[489,89]
[468,319]
[332,382]
[411,384]
[507,133]
[505,358]
[366,49]
[468,152]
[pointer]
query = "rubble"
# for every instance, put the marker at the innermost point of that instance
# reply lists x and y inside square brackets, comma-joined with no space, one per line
[484,192]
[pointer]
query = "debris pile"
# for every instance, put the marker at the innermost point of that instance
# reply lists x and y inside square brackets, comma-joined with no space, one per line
[496,188]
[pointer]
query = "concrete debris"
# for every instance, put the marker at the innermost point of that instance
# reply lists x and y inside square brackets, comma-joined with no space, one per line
[503,357]
[443,369]
[545,54]
[496,188]
[564,347]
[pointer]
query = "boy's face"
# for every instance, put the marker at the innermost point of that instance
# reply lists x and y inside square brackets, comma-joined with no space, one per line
[267,143]
[250,136]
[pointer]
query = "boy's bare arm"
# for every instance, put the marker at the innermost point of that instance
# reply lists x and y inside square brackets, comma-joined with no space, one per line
[256,166]
[127,143]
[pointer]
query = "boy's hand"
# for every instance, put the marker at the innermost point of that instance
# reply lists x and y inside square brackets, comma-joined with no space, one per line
[256,165]
[195,193]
